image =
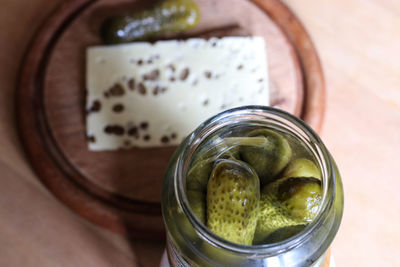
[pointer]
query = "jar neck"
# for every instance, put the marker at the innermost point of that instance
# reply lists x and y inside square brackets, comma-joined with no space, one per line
[275,119]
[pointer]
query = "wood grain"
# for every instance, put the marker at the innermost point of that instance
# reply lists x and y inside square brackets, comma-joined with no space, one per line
[35,228]
[136,173]
[357,41]
[121,190]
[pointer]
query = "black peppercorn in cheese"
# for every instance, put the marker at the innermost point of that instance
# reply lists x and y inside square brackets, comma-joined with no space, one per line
[154,94]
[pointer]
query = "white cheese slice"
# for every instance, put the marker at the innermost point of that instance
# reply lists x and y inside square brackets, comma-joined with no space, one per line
[148,95]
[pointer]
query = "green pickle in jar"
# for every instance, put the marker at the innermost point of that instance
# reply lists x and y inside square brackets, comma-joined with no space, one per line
[254,186]
[251,186]
[165,17]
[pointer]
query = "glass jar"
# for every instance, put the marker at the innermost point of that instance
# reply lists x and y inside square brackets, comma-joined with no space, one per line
[190,243]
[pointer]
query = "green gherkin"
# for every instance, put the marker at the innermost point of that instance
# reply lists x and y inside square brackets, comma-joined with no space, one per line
[301,197]
[287,202]
[196,186]
[233,193]
[167,16]
[301,191]
[199,173]
[218,148]
[224,192]
[302,167]
[269,158]
[197,201]
[271,217]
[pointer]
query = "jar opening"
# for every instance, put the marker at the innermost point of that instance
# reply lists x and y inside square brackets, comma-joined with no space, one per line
[266,117]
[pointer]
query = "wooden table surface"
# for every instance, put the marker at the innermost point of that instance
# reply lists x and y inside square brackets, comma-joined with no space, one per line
[359,45]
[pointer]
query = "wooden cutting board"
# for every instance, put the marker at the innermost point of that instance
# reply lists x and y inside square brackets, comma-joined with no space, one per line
[120,190]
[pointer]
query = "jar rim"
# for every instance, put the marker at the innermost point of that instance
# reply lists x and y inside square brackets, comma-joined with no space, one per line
[240,114]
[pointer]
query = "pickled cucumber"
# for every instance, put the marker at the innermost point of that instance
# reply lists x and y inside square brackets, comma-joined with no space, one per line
[197,201]
[272,216]
[269,158]
[201,168]
[198,175]
[167,16]
[196,186]
[302,167]
[233,193]
[223,187]
[217,148]
[300,197]
[287,202]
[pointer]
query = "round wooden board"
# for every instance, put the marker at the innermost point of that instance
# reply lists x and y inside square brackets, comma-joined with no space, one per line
[121,190]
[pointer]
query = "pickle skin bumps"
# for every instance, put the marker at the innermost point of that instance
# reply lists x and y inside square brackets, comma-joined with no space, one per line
[224,188]
[167,16]
[289,202]
[271,216]
[233,193]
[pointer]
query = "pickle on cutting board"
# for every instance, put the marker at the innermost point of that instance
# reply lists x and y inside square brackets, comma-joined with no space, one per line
[165,17]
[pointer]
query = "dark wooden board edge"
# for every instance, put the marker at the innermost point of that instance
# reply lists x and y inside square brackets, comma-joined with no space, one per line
[34,133]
